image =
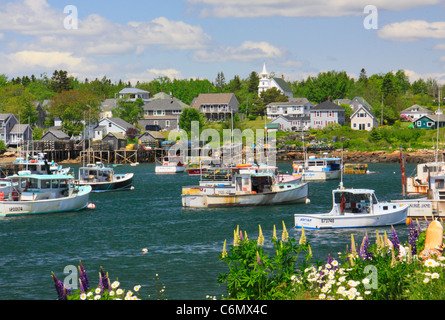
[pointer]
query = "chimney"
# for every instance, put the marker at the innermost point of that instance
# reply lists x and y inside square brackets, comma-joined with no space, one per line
[282,76]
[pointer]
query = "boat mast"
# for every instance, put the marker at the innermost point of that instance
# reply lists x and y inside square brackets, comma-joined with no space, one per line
[402,164]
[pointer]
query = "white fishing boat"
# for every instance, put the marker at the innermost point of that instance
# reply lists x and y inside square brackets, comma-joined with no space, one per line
[171,164]
[38,164]
[355,208]
[102,178]
[317,169]
[35,194]
[418,183]
[244,189]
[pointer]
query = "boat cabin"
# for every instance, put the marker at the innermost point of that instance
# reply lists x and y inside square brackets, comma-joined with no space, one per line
[254,183]
[95,173]
[354,201]
[40,187]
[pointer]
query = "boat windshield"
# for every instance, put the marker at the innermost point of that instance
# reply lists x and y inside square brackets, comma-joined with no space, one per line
[354,197]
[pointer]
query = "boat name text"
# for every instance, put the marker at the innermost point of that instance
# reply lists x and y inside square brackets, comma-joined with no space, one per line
[13,209]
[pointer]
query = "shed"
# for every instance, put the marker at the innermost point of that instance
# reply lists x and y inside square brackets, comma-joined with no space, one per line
[55,135]
[116,139]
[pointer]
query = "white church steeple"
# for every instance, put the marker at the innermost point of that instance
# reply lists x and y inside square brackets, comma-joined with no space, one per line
[264,80]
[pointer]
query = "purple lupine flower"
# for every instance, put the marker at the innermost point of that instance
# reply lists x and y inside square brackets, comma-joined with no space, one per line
[258,260]
[365,254]
[329,261]
[60,288]
[395,240]
[83,277]
[412,238]
[105,281]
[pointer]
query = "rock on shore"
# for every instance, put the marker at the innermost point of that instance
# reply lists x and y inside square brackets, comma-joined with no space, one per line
[418,156]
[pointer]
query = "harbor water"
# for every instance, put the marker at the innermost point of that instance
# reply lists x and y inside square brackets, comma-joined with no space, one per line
[182,244]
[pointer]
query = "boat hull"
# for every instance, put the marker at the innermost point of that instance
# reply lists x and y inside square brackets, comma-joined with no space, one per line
[321,175]
[121,184]
[73,203]
[169,169]
[395,214]
[291,193]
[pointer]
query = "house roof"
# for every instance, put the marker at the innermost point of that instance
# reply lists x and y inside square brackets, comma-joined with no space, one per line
[132,90]
[20,128]
[108,104]
[327,105]
[365,109]
[283,85]
[164,104]
[433,117]
[416,109]
[4,116]
[363,102]
[119,122]
[57,133]
[213,98]
[118,135]
[154,134]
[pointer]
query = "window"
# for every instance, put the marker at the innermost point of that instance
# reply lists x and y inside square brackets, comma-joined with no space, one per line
[167,123]
[429,124]
[109,125]
[419,123]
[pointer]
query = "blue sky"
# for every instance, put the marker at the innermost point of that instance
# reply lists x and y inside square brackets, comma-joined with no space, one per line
[142,40]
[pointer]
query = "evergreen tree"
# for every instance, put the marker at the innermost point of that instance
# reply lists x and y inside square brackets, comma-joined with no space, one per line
[60,81]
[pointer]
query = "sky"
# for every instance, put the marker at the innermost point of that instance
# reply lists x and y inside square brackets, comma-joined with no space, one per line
[138,40]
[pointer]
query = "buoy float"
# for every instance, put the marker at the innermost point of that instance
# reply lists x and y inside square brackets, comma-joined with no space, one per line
[308,200]
[408,221]
[91,206]
[132,188]
[144,250]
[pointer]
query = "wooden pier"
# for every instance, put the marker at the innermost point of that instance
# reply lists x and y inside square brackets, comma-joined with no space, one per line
[58,151]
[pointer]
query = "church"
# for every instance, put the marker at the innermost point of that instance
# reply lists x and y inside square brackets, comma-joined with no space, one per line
[268,82]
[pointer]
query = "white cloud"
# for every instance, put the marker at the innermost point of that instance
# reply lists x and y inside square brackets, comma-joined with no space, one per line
[95,35]
[439,46]
[412,30]
[37,62]
[414,76]
[299,8]
[248,50]
[153,73]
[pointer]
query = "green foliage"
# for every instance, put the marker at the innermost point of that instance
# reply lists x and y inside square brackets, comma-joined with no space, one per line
[255,274]
[187,116]
[129,111]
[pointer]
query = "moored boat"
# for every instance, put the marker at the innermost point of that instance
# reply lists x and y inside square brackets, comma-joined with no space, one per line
[35,194]
[102,178]
[38,164]
[355,208]
[171,164]
[244,189]
[318,169]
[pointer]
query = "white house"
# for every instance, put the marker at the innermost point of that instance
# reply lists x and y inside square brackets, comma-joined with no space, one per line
[131,94]
[267,82]
[295,107]
[20,134]
[414,112]
[289,123]
[107,125]
[362,117]
[7,122]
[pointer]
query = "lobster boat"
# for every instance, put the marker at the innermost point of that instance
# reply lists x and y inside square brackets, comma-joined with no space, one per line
[42,193]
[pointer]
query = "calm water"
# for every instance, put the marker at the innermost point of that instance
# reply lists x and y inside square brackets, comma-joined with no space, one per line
[183,244]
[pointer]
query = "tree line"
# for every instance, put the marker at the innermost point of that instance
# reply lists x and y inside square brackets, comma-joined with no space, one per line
[73,100]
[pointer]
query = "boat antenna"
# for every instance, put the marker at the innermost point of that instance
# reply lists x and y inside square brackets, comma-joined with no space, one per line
[341,169]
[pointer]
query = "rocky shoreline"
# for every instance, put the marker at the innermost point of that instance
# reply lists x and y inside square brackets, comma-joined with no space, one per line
[417,156]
